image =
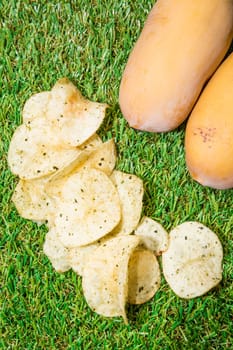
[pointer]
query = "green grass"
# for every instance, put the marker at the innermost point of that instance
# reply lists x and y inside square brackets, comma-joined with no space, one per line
[89,42]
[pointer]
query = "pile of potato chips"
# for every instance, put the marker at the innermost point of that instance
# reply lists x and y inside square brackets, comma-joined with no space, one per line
[68,180]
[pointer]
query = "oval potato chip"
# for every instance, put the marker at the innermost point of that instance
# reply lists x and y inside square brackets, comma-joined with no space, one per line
[105,276]
[153,235]
[130,189]
[143,276]
[89,208]
[192,264]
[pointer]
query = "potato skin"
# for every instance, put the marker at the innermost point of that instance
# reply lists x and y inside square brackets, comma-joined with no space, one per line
[181,45]
[209,131]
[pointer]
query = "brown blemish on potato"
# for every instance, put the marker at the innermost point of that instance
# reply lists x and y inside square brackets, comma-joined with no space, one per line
[206,133]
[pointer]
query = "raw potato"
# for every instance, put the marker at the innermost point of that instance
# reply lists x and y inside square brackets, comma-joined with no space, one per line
[153,235]
[88,208]
[180,47]
[209,131]
[143,276]
[105,276]
[192,264]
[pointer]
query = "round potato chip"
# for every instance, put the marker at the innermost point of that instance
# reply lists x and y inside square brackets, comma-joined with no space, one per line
[89,208]
[105,276]
[130,189]
[35,150]
[143,276]
[31,201]
[153,235]
[192,264]
[36,106]
[56,252]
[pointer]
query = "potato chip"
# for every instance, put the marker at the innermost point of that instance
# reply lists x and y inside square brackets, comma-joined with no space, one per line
[91,144]
[31,201]
[105,276]
[78,257]
[89,208]
[76,118]
[143,276]
[192,264]
[103,158]
[36,106]
[130,189]
[57,180]
[153,235]
[35,150]
[65,99]
[56,252]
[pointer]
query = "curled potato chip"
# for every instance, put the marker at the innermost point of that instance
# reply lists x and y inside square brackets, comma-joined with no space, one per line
[105,276]
[143,276]
[130,189]
[88,209]
[56,252]
[36,106]
[153,235]
[31,201]
[192,264]
[35,150]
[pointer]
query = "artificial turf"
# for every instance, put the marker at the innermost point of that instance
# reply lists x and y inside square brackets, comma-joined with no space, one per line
[89,42]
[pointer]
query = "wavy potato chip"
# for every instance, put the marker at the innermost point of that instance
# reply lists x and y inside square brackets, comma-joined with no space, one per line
[130,189]
[105,276]
[192,264]
[89,208]
[153,235]
[143,276]
[35,150]
[36,106]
